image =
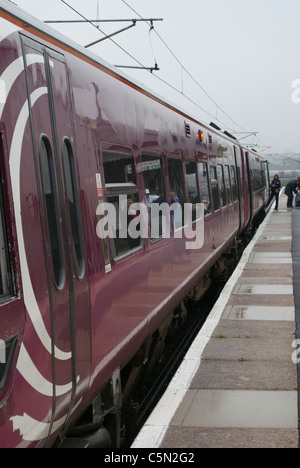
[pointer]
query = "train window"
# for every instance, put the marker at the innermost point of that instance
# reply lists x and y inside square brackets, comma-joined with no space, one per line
[192,184]
[118,168]
[228,184]
[52,211]
[152,168]
[215,188]
[233,183]
[264,175]
[122,193]
[221,180]
[177,189]
[73,207]
[204,187]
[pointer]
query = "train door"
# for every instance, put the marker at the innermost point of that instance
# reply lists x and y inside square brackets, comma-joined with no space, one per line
[64,253]
[250,184]
[238,164]
[267,181]
[11,303]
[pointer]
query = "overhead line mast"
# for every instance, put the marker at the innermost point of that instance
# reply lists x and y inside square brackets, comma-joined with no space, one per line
[95,21]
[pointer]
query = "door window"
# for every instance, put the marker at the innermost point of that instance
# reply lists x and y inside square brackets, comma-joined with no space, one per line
[228,185]
[73,207]
[233,183]
[192,184]
[204,187]
[221,180]
[52,211]
[177,190]
[215,188]
[152,168]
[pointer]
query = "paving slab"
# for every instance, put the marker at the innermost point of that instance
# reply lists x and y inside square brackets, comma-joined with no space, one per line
[277,314]
[254,329]
[245,375]
[263,289]
[234,408]
[246,279]
[271,261]
[263,300]
[268,272]
[229,438]
[270,255]
[285,268]
[273,247]
[264,238]
[250,348]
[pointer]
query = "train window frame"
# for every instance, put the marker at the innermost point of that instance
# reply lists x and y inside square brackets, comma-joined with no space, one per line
[160,191]
[228,187]
[263,175]
[71,186]
[114,157]
[216,199]
[176,197]
[221,181]
[51,208]
[172,159]
[255,169]
[234,186]
[122,247]
[196,199]
[205,183]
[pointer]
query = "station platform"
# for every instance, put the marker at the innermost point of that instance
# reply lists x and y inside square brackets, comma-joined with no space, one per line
[237,386]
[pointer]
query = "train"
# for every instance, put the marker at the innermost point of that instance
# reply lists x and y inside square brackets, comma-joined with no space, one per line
[84,318]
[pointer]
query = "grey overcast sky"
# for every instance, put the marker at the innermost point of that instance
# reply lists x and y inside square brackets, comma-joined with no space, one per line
[245,54]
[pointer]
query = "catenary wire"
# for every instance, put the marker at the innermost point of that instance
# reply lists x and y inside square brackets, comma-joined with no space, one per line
[141,64]
[158,77]
[185,69]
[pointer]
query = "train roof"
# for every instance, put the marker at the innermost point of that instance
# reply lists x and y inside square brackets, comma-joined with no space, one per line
[25,21]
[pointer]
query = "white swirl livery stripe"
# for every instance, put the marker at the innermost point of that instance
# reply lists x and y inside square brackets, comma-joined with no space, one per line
[12,72]
[15,167]
[32,430]
[35,379]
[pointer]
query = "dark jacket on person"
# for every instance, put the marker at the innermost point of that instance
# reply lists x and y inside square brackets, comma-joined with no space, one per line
[276,186]
[291,187]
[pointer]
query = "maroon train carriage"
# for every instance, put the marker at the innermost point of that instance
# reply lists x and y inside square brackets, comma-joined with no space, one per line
[83,318]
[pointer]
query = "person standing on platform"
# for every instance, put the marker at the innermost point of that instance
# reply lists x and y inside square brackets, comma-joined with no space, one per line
[291,188]
[276,186]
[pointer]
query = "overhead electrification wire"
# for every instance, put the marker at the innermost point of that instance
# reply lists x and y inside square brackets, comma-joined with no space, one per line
[138,62]
[187,71]
[98,28]
[183,68]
